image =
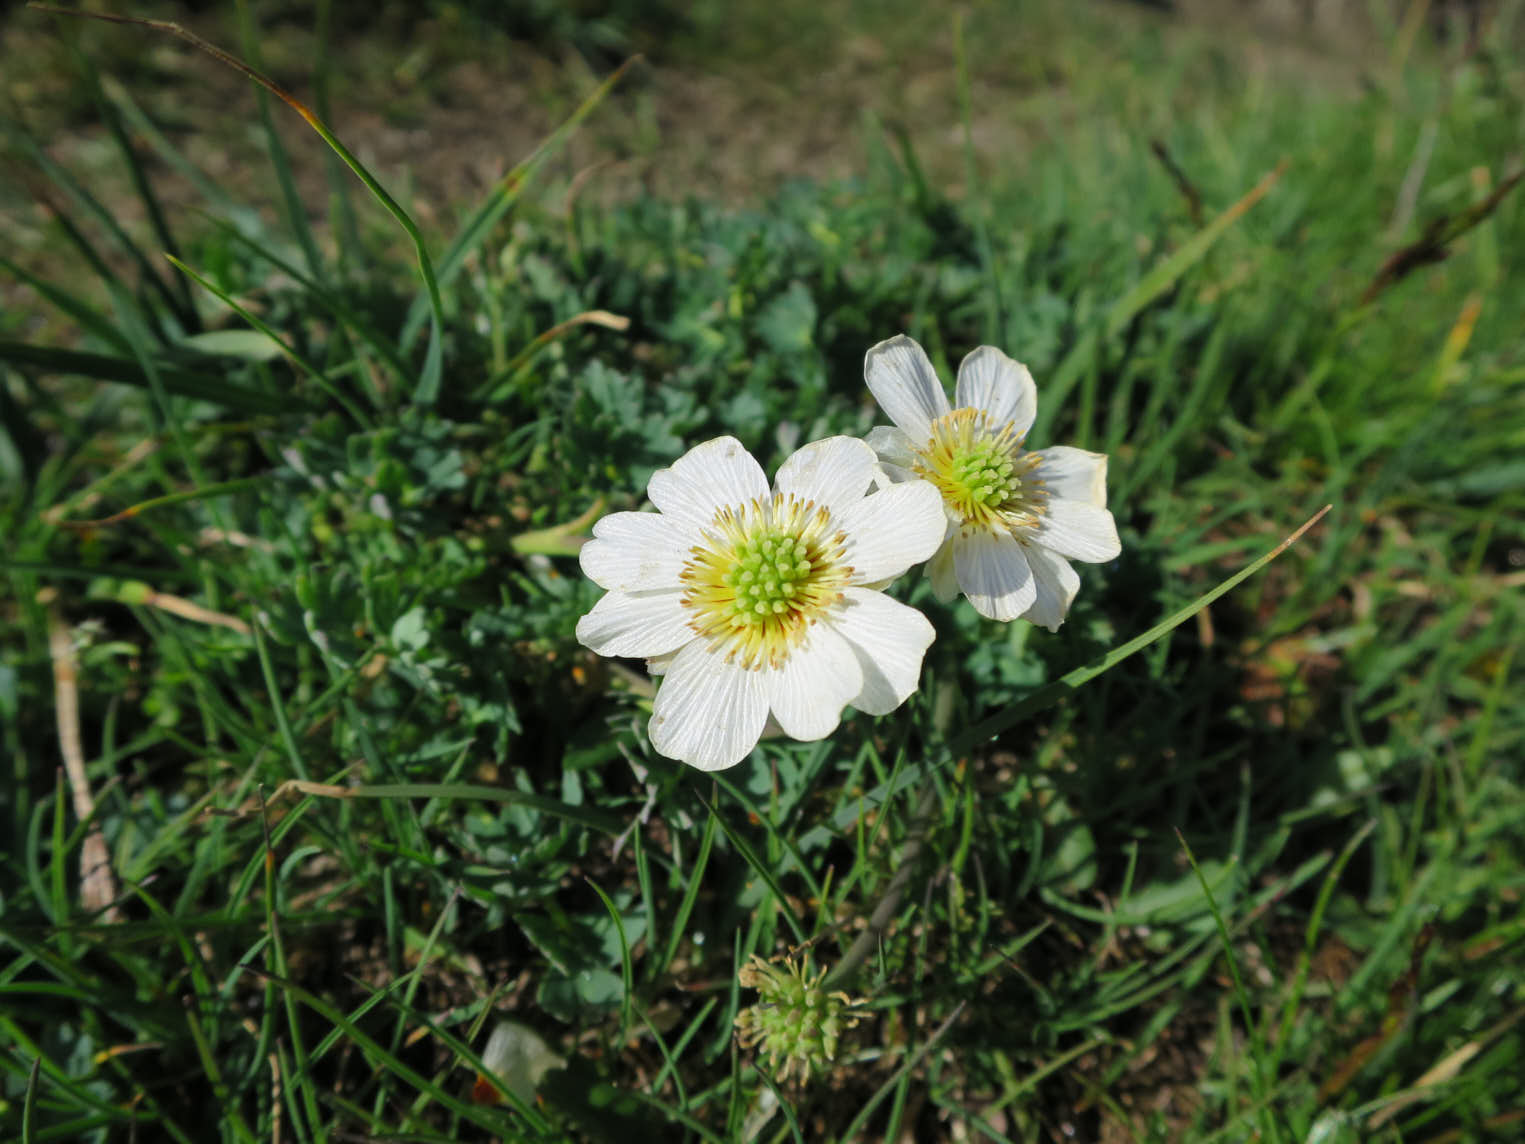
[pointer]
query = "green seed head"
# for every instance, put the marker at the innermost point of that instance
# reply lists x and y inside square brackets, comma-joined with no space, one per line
[796,1022]
[982,471]
[769,571]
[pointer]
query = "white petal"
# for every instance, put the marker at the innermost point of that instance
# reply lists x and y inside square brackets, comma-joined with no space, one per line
[1057,584]
[994,574]
[892,529]
[941,572]
[1074,474]
[1078,530]
[635,552]
[708,713]
[902,380]
[989,380]
[886,475]
[645,624]
[706,478]
[834,473]
[807,692]
[890,640]
[892,445]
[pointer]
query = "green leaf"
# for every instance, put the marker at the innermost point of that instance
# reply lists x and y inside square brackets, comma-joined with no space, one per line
[787,323]
[251,345]
[182,382]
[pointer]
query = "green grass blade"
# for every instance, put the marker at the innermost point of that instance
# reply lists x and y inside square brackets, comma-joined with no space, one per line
[181,382]
[353,321]
[142,185]
[762,870]
[1269,1128]
[593,819]
[1170,270]
[690,895]
[1164,275]
[429,379]
[243,216]
[778,837]
[291,200]
[1054,692]
[312,371]
[627,977]
[222,488]
[90,320]
[92,207]
[29,1104]
[342,208]
[378,1056]
[855,1128]
[506,193]
[1310,939]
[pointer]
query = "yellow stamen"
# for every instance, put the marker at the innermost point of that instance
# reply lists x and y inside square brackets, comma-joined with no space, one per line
[761,574]
[983,472]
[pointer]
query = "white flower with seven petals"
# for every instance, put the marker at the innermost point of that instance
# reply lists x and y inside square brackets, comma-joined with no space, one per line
[753,602]
[1015,517]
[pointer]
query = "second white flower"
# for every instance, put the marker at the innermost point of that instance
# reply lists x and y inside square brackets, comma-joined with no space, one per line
[1016,517]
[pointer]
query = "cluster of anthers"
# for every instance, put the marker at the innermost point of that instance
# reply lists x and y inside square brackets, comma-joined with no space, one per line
[761,574]
[981,471]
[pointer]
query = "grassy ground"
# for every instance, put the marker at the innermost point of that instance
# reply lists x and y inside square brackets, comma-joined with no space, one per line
[340,793]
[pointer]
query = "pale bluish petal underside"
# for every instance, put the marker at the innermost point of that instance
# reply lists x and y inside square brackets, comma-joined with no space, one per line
[886,475]
[892,446]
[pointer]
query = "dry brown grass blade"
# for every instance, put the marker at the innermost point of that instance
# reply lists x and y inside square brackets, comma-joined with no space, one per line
[1182,181]
[604,318]
[1447,1069]
[1400,1007]
[97,884]
[188,610]
[1434,245]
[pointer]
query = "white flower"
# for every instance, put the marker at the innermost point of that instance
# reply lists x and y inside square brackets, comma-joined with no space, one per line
[1015,517]
[749,601]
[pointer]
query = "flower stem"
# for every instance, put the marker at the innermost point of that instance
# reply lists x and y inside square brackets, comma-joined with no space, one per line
[878,921]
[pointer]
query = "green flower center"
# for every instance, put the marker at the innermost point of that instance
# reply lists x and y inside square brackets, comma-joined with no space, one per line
[982,471]
[768,571]
[761,574]
[983,474]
